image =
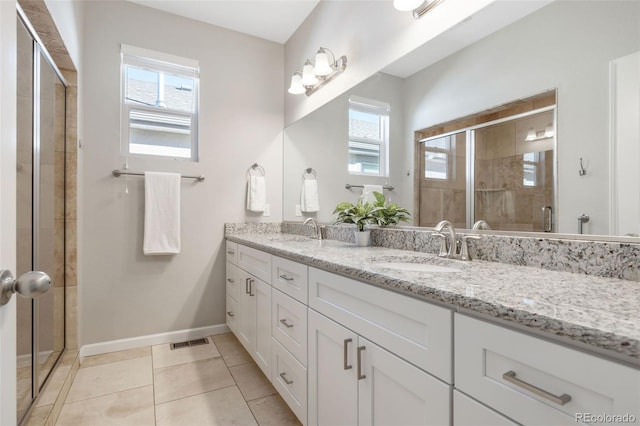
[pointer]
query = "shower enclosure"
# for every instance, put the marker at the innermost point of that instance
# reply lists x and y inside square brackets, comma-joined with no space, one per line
[40,212]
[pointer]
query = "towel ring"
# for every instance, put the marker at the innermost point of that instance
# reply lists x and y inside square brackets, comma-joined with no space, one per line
[310,171]
[257,168]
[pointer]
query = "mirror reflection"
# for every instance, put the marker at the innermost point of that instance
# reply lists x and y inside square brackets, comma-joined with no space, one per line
[583,51]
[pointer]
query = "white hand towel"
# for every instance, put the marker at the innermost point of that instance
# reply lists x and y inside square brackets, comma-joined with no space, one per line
[368,190]
[309,199]
[161,213]
[256,194]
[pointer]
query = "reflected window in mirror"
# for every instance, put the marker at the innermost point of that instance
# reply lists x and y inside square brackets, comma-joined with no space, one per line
[368,137]
[438,158]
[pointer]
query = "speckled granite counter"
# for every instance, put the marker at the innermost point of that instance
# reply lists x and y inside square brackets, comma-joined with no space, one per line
[594,313]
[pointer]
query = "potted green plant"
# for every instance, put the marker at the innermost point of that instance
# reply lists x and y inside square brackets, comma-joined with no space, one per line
[365,213]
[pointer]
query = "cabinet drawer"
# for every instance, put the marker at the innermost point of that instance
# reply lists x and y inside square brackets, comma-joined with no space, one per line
[290,278]
[534,381]
[412,329]
[289,324]
[467,412]
[233,281]
[232,252]
[232,313]
[290,379]
[255,262]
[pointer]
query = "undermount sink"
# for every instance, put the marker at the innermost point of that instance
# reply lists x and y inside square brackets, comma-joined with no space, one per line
[416,267]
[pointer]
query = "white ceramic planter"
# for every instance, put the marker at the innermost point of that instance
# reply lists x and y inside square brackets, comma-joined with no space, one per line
[362,238]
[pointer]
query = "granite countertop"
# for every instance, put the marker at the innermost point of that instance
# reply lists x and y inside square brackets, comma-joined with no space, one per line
[599,314]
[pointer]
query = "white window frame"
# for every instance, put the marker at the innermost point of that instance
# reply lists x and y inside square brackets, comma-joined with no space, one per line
[161,62]
[382,109]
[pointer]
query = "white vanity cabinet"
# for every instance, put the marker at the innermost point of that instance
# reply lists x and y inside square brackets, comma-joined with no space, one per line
[355,381]
[249,302]
[534,381]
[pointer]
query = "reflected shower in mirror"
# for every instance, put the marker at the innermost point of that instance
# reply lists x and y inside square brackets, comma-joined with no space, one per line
[577,49]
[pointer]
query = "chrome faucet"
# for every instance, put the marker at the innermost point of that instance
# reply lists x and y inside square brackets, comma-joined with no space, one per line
[481,224]
[452,252]
[316,229]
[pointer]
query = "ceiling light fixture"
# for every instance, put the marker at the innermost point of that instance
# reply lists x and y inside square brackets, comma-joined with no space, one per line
[316,74]
[418,7]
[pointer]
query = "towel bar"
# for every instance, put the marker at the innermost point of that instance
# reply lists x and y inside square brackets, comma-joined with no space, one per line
[349,186]
[118,173]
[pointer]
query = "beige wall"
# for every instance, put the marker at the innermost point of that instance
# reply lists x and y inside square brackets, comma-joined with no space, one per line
[124,293]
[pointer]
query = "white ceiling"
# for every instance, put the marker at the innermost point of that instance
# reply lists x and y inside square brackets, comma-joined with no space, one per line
[274,20]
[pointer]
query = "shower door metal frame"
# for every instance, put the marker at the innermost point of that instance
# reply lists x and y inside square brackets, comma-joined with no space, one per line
[39,53]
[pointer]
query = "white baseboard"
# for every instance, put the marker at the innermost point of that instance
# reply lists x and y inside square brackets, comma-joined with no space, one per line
[151,339]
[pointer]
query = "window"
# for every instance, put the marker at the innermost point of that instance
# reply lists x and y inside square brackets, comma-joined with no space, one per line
[159,104]
[437,156]
[368,137]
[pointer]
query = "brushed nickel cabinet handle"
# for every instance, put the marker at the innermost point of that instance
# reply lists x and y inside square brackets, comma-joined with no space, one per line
[246,285]
[284,377]
[251,281]
[345,361]
[286,278]
[510,376]
[231,314]
[231,252]
[285,323]
[360,375]
[231,280]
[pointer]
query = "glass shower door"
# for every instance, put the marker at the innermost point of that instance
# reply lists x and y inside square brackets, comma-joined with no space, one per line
[41,111]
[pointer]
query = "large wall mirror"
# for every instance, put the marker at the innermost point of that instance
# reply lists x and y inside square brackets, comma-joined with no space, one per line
[586,53]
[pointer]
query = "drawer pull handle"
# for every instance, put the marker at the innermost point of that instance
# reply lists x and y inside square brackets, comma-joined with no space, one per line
[231,314]
[231,280]
[284,377]
[286,278]
[285,323]
[251,281]
[231,252]
[346,354]
[360,375]
[246,285]
[510,376]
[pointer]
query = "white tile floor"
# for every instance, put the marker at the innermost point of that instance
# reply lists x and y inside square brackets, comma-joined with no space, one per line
[214,384]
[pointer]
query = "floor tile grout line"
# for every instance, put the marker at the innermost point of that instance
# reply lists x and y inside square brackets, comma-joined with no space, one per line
[106,394]
[201,393]
[111,362]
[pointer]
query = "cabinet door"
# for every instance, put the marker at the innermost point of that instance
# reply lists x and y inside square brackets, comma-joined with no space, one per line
[261,292]
[393,392]
[467,412]
[333,386]
[247,315]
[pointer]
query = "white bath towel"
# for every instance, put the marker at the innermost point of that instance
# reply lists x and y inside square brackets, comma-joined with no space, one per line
[368,190]
[309,198]
[256,194]
[161,213]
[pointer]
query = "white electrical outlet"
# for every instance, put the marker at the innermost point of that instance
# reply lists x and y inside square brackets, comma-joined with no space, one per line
[298,210]
[267,210]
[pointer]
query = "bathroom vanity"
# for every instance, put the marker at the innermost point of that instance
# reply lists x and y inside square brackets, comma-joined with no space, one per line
[377,335]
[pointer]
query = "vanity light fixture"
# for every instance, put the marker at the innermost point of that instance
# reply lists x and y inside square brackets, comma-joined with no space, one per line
[316,74]
[535,135]
[418,7]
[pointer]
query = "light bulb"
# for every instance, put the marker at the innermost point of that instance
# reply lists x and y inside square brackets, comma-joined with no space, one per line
[531,135]
[308,77]
[322,66]
[296,87]
[407,5]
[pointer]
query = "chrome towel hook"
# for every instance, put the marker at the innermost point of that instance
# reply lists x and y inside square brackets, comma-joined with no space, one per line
[583,169]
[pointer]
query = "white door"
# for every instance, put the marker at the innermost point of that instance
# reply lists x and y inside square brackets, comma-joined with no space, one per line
[8,206]
[262,294]
[393,392]
[333,383]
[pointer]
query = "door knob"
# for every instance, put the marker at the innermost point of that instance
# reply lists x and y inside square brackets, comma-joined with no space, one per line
[31,284]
